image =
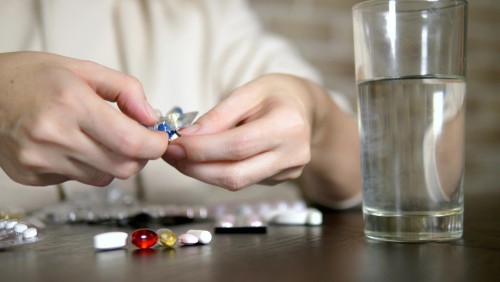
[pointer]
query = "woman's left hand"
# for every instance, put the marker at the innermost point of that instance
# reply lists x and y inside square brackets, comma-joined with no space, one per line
[260,133]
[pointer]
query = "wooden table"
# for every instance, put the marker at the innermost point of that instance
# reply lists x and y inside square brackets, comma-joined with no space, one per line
[336,251]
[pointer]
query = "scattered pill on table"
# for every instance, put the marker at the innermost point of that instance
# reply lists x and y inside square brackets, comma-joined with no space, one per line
[144,238]
[315,217]
[188,239]
[204,236]
[310,216]
[166,237]
[110,240]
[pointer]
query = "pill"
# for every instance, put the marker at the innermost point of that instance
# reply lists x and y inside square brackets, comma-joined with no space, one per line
[144,238]
[10,224]
[166,237]
[204,236]
[30,233]
[309,216]
[110,240]
[188,239]
[314,217]
[20,227]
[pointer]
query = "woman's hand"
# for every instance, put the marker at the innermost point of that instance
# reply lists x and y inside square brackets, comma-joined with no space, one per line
[56,123]
[272,129]
[261,133]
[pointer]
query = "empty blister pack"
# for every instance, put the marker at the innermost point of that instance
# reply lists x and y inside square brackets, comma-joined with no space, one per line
[172,121]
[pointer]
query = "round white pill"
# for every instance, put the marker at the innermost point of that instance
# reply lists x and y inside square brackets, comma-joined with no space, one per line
[10,224]
[2,223]
[30,233]
[20,227]
[110,240]
[291,217]
[188,239]
[204,236]
[315,217]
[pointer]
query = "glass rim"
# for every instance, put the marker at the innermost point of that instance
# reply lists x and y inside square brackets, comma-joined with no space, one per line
[373,3]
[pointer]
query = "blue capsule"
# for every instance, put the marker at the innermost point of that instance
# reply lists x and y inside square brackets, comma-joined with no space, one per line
[164,127]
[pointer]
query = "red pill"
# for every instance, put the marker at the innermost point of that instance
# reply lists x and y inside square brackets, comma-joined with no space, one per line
[144,238]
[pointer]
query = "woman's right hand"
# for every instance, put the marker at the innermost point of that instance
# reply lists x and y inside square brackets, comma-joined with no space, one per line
[56,123]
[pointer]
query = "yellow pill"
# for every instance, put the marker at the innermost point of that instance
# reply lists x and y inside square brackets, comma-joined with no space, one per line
[166,237]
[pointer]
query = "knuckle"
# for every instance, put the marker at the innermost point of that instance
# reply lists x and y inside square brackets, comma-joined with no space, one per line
[86,64]
[132,83]
[42,130]
[233,180]
[240,147]
[128,169]
[131,145]
[296,173]
[101,180]
[305,156]
[29,160]
[213,116]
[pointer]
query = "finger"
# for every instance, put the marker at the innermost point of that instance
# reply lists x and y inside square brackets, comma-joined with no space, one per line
[236,107]
[287,174]
[84,173]
[45,165]
[97,156]
[121,134]
[269,168]
[118,87]
[235,144]
[56,163]
[233,176]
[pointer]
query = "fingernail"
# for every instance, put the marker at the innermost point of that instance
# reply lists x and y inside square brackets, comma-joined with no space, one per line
[151,112]
[190,129]
[175,152]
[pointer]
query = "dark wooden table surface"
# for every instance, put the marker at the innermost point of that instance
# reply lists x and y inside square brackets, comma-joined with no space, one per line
[336,251]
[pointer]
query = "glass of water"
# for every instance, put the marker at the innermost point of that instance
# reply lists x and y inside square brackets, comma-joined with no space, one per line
[410,62]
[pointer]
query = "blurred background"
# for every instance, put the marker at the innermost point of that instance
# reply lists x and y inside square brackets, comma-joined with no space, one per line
[322,31]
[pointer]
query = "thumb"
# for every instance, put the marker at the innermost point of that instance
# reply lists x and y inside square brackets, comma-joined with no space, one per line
[229,113]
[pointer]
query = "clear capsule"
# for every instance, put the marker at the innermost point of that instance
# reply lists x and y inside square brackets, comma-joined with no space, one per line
[166,237]
[172,121]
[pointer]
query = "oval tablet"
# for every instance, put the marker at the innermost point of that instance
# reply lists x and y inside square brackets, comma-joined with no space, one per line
[291,218]
[188,239]
[315,217]
[20,227]
[30,233]
[204,236]
[110,240]
[10,224]
[310,216]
